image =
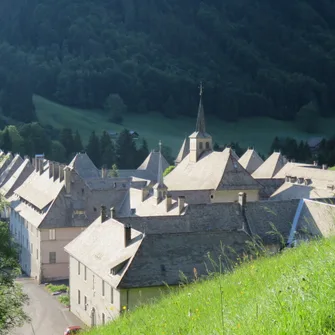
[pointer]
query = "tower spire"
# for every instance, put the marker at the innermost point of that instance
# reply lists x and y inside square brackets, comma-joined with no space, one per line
[200,126]
[160,168]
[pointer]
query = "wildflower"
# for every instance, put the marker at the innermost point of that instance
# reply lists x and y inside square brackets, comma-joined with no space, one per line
[238,326]
[124,308]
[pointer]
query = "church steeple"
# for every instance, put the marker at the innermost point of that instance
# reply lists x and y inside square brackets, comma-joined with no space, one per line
[200,141]
[160,189]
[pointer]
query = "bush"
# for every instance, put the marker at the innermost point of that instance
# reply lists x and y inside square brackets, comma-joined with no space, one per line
[64,299]
[57,288]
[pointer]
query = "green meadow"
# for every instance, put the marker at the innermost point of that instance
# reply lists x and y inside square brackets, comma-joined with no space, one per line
[253,132]
[290,293]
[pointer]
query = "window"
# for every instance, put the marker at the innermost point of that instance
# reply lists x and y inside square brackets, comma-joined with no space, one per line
[36,253]
[112,295]
[78,268]
[200,146]
[103,288]
[85,273]
[78,297]
[31,248]
[103,318]
[85,303]
[207,145]
[52,234]
[52,257]
[82,191]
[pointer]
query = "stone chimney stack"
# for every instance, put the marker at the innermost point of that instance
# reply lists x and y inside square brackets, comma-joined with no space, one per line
[127,235]
[36,164]
[112,212]
[61,172]
[55,170]
[104,172]
[315,163]
[181,204]
[67,177]
[51,169]
[168,201]
[40,165]
[324,166]
[242,199]
[103,214]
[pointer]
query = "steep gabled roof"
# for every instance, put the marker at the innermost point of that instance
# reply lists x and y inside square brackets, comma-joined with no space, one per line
[17,178]
[270,167]
[184,150]
[105,242]
[214,170]
[251,161]
[10,169]
[39,189]
[232,151]
[151,163]
[83,165]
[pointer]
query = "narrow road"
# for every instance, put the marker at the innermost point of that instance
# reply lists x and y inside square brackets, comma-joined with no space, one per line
[47,314]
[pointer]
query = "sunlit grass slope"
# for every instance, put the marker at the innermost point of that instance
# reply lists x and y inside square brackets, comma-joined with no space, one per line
[291,293]
[256,132]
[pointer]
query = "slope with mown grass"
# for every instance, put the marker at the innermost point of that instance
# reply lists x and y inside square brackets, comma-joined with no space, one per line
[291,293]
[256,132]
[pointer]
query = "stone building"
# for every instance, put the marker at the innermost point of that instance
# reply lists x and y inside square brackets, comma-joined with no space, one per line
[204,176]
[137,256]
[53,206]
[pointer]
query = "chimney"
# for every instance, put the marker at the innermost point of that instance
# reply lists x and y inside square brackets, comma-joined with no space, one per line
[315,163]
[287,178]
[36,163]
[40,163]
[324,166]
[242,199]
[55,170]
[181,204]
[145,193]
[61,172]
[103,214]
[51,169]
[284,159]
[67,177]
[26,157]
[112,212]
[103,172]
[127,234]
[168,202]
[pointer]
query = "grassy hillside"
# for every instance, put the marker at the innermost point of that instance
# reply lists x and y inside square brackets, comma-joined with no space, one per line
[258,132]
[291,293]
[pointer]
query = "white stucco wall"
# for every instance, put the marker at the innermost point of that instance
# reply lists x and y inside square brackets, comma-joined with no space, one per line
[91,288]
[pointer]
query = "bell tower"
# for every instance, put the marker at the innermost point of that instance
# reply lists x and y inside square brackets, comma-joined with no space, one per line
[200,141]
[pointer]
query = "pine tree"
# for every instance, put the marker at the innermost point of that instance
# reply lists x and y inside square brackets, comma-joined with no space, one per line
[107,150]
[77,143]
[6,143]
[66,138]
[93,149]
[126,153]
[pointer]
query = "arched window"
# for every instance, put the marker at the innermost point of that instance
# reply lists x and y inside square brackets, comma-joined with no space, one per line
[207,145]
[200,146]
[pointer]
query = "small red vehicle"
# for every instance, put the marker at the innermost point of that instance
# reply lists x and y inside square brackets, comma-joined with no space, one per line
[72,330]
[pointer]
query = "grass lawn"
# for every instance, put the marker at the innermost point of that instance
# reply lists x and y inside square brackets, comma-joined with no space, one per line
[291,293]
[256,132]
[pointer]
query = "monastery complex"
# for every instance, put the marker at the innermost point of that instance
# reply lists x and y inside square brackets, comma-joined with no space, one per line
[121,240]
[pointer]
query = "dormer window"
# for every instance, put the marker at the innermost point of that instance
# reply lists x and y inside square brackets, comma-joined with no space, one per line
[118,268]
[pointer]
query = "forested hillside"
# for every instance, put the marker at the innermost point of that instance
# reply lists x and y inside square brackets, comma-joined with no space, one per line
[264,57]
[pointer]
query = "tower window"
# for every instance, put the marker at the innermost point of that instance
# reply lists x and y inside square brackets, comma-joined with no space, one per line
[200,146]
[207,145]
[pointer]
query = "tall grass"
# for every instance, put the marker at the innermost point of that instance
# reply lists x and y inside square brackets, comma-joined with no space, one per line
[290,293]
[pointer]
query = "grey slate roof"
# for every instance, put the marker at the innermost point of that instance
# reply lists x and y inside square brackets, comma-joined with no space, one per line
[172,244]
[214,170]
[270,167]
[85,168]
[10,169]
[251,161]
[17,178]
[184,150]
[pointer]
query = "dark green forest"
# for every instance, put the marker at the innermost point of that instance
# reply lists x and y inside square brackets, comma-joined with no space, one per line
[256,58]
